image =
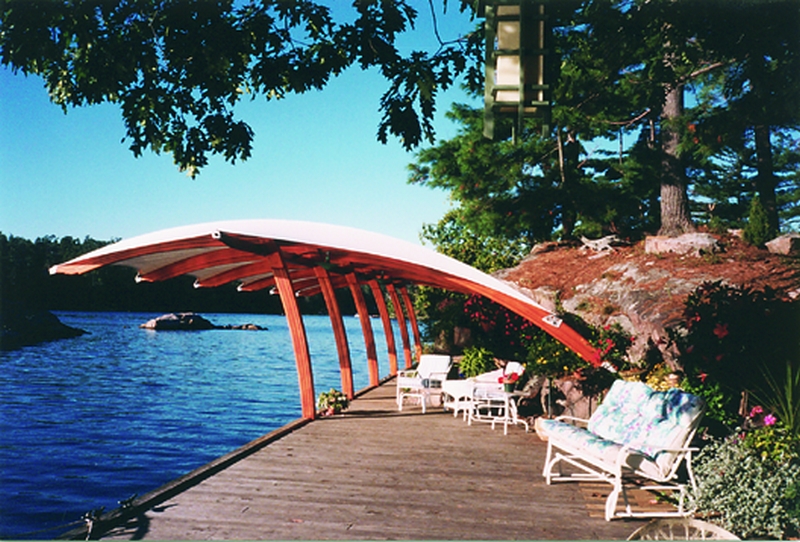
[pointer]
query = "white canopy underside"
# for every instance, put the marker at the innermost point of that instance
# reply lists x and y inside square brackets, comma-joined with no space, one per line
[235,251]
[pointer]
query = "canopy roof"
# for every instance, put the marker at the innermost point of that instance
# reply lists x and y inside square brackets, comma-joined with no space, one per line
[236,251]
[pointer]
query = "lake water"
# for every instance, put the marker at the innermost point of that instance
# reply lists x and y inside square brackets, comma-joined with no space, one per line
[90,421]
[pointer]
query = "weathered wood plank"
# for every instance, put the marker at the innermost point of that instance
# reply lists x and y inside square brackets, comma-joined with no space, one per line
[374,473]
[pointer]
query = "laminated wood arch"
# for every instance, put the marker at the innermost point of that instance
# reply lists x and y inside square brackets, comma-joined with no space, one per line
[412,317]
[401,321]
[383,311]
[288,256]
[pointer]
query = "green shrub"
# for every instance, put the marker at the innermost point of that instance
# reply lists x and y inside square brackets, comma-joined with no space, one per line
[757,230]
[476,360]
[746,494]
[717,225]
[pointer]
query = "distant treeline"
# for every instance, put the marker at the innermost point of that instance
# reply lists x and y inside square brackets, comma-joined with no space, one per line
[26,285]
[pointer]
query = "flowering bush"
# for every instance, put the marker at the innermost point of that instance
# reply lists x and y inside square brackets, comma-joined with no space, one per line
[503,332]
[612,343]
[749,482]
[548,357]
[768,437]
[731,339]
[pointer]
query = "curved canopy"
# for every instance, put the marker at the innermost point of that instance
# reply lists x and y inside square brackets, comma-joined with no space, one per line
[237,251]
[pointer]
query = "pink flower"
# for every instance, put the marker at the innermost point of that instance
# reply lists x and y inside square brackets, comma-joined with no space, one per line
[721,331]
[769,419]
[755,411]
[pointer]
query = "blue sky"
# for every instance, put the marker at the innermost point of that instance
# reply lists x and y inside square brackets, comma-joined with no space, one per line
[315,157]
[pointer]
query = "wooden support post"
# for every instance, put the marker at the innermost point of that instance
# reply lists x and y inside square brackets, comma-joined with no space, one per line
[377,293]
[412,316]
[401,321]
[298,333]
[366,328]
[339,333]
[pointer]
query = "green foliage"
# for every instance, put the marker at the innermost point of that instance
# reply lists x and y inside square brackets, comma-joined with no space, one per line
[477,360]
[757,231]
[717,225]
[453,237]
[745,493]
[782,396]
[519,194]
[177,69]
[548,357]
[332,402]
[440,311]
[730,341]
[719,416]
[494,327]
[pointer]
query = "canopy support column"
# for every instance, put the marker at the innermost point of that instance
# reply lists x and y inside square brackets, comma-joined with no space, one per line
[412,316]
[339,333]
[401,320]
[366,328]
[377,293]
[298,334]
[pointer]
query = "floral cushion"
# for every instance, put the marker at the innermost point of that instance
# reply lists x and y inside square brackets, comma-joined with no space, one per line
[583,443]
[633,414]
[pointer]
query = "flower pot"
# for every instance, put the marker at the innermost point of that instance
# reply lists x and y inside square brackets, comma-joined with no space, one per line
[509,387]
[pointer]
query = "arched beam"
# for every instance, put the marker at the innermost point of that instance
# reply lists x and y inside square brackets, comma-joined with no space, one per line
[339,333]
[366,328]
[412,317]
[401,321]
[380,301]
[298,333]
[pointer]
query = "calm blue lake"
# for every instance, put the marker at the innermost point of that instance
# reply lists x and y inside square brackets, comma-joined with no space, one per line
[87,422]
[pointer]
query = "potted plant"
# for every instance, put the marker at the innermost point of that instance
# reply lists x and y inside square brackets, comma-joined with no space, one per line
[332,402]
[509,382]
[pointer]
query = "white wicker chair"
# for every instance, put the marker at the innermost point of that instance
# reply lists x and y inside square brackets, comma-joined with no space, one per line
[425,379]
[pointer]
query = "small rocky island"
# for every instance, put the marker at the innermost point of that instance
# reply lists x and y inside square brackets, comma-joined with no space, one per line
[27,328]
[190,321]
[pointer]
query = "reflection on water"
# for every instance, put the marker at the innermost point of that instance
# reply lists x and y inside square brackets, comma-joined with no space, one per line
[90,421]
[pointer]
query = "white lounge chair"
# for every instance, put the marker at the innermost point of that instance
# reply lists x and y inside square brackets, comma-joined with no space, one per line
[424,380]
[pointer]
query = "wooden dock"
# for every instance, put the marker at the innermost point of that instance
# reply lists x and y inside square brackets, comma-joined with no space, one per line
[376,473]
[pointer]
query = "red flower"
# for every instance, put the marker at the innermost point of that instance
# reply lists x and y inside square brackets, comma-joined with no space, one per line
[721,331]
[508,379]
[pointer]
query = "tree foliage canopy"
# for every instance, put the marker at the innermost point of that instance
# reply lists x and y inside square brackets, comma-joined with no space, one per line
[622,72]
[177,68]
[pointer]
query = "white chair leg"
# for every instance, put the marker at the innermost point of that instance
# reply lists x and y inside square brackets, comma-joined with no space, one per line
[611,502]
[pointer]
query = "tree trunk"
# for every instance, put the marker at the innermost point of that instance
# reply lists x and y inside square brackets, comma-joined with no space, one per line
[675,217]
[568,157]
[765,181]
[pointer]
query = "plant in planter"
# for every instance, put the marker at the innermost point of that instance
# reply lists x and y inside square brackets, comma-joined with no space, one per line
[332,402]
[509,381]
